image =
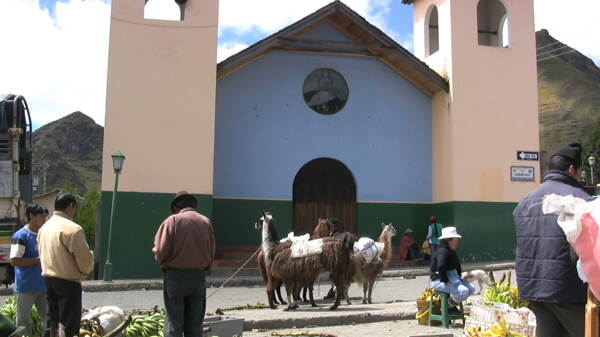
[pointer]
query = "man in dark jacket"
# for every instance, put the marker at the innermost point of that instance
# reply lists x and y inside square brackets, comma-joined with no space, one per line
[545,263]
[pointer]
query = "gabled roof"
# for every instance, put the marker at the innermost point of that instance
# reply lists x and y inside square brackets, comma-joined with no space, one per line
[367,40]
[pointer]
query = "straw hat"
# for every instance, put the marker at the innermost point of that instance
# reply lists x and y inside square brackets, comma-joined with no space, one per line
[449,233]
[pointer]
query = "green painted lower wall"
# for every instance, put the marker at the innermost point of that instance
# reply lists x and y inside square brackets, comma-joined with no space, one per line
[137,217]
[487,227]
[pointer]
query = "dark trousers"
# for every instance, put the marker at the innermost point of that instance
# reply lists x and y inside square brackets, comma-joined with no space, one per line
[185,302]
[64,307]
[559,319]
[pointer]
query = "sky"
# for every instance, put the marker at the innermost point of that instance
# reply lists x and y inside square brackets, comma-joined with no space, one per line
[55,52]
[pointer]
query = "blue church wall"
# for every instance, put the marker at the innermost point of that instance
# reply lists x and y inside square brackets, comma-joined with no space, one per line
[265,132]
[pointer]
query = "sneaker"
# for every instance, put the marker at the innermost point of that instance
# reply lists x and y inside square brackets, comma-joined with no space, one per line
[453,311]
[330,295]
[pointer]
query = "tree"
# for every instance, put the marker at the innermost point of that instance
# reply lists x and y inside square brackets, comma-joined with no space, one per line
[591,146]
[86,210]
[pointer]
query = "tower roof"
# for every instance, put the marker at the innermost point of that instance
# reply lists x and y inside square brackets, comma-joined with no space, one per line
[367,40]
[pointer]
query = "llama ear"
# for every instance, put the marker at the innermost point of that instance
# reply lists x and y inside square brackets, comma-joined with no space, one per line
[382,225]
[265,214]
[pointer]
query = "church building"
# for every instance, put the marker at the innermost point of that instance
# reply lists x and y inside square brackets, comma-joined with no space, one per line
[328,117]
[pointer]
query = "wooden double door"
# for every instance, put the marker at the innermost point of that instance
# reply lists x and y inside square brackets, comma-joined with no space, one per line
[324,188]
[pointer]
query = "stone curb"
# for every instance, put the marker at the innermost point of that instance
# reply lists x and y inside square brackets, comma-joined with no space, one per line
[342,319]
[249,281]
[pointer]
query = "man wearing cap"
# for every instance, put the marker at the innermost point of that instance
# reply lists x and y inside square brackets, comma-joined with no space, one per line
[184,247]
[433,234]
[545,263]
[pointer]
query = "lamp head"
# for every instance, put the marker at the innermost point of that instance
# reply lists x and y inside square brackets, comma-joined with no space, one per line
[118,159]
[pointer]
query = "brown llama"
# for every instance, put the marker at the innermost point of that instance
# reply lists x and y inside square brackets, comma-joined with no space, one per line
[367,273]
[321,231]
[298,272]
[270,246]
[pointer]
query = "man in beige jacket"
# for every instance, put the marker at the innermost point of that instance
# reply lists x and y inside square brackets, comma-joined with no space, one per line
[66,260]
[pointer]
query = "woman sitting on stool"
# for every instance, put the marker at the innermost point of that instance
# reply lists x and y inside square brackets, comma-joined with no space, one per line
[446,271]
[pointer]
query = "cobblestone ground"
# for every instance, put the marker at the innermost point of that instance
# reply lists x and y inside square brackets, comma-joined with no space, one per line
[383,329]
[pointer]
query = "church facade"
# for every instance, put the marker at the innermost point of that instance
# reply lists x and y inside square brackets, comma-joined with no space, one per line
[328,117]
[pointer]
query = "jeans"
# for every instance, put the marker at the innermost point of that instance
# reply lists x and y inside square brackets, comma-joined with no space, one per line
[457,287]
[64,307]
[185,302]
[25,302]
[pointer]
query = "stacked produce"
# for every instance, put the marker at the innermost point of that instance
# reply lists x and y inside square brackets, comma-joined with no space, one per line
[499,330]
[423,305]
[146,325]
[9,309]
[503,292]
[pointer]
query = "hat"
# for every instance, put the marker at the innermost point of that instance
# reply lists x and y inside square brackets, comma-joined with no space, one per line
[449,233]
[180,196]
[7,328]
[432,218]
[408,230]
[571,151]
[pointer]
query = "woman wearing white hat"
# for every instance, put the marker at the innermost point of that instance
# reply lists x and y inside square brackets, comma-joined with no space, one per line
[446,270]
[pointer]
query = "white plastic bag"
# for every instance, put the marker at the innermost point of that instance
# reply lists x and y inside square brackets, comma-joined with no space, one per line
[110,317]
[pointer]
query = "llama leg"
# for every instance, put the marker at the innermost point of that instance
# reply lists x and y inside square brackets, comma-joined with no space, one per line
[347,296]
[310,295]
[271,293]
[365,290]
[295,304]
[304,291]
[278,290]
[371,284]
[339,293]
[290,298]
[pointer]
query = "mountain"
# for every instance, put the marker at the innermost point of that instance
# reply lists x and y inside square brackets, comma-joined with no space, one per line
[569,95]
[72,148]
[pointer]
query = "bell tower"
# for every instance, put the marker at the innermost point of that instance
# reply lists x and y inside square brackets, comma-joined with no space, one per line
[160,99]
[486,50]
[160,113]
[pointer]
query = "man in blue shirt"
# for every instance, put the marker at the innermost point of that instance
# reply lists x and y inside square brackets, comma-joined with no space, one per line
[29,285]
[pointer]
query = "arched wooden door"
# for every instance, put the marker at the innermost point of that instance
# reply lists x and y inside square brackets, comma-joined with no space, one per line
[324,188]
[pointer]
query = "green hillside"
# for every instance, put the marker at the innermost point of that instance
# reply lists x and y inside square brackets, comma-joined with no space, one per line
[569,95]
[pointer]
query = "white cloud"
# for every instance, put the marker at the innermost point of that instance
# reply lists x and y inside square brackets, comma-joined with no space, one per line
[59,66]
[226,49]
[574,22]
[268,16]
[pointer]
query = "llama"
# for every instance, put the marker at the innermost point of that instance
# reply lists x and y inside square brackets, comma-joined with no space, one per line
[321,231]
[367,273]
[298,272]
[270,246]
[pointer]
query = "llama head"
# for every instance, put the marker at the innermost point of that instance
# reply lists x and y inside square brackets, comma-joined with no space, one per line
[388,230]
[263,220]
[346,240]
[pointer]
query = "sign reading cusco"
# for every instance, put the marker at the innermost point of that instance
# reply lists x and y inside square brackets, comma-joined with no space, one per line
[522,173]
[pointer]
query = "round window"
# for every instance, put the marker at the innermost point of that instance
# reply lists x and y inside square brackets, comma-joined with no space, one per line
[325,91]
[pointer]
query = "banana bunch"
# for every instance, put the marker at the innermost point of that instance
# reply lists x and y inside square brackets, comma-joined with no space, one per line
[146,326]
[427,296]
[9,309]
[504,293]
[91,328]
[499,330]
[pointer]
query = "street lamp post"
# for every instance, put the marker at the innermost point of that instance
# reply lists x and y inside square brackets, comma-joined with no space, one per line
[118,159]
[592,161]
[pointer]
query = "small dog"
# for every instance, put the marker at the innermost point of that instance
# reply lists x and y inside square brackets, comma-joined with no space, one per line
[476,275]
